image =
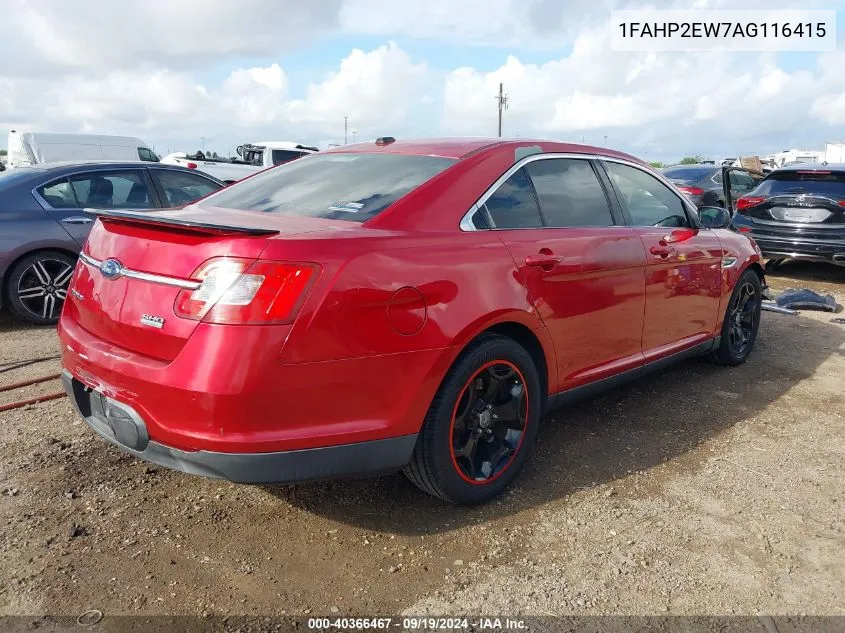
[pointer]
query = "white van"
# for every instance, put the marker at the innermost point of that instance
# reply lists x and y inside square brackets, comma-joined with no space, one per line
[32,148]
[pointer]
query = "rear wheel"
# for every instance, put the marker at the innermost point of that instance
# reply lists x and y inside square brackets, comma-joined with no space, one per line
[742,321]
[37,286]
[482,424]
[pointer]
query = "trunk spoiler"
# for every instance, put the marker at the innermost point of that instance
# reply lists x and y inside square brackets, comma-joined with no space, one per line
[194,226]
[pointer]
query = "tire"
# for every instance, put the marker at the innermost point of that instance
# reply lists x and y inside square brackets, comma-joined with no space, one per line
[739,333]
[446,461]
[37,285]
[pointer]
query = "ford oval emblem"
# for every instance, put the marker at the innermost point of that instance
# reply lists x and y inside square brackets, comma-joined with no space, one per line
[111,269]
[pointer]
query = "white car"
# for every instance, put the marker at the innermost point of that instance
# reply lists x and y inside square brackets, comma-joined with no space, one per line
[253,157]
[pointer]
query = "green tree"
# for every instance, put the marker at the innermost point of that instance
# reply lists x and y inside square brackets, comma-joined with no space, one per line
[691,160]
[656,164]
[3,152]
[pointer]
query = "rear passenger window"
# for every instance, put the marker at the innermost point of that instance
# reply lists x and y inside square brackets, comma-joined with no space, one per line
[182,187]
[570,193]
[112,190]
[513,205]
[59,195]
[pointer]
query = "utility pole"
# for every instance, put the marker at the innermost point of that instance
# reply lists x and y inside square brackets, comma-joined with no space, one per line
[345,130]
[503,105]
[354,134]
[203,143]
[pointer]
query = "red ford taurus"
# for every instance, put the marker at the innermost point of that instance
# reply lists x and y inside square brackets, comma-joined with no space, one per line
[413,305]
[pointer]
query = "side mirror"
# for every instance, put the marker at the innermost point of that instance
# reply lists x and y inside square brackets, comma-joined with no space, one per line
[714,217]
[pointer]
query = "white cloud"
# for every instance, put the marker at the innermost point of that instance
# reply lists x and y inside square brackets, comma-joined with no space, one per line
[373,88]
[93,35]
[155,69]
[654,103]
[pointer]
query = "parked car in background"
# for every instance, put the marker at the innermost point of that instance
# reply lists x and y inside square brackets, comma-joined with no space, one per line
[797,212]
[479,282]
[704,185]
[36,148]
[253,158]
[43,225]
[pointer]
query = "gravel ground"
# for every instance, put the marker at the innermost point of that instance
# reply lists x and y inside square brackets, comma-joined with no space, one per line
[700,490]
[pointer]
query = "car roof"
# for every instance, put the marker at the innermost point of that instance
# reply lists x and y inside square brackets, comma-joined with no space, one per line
[41,170]
[461,147]
[695,166]
[812,167]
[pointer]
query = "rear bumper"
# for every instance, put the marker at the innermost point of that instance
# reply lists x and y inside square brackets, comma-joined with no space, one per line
[232,395]
[795,244]
[124,427]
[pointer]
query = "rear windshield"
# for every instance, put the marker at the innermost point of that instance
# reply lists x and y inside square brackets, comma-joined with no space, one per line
[819,182]
[688,175]
[355,187]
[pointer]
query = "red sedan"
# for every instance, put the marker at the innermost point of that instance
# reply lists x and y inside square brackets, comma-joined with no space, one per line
[413,305]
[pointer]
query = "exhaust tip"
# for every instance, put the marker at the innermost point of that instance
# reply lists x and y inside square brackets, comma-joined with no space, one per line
[839,258]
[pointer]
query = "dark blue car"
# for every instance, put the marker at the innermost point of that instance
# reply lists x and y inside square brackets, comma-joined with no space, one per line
[43,224]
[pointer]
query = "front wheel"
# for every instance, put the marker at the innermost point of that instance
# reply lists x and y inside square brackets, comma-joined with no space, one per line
[742,321]
[482,424]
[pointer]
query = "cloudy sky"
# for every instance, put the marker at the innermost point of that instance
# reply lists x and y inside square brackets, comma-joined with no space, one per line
[174,71]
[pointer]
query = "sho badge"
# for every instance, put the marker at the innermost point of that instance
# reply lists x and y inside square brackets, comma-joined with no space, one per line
[152,321]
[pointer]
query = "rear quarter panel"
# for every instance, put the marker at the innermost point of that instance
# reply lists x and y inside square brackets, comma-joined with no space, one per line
[451,287]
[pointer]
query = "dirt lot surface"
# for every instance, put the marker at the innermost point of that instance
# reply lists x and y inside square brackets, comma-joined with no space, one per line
[697,490]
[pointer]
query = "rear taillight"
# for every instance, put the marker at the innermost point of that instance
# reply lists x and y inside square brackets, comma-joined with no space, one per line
[191,165]
[241,291]
[692,191]
[747,201]
[744,229]
[842,203]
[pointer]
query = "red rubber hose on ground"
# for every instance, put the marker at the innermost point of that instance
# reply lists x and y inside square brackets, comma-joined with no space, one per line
[23,403]
[26,383]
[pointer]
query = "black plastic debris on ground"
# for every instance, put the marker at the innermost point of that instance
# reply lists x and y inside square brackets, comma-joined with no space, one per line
[805,299]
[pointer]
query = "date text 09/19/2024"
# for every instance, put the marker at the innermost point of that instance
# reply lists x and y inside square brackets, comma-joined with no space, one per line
[416,624]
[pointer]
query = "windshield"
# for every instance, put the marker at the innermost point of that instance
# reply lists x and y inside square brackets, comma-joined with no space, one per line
[354,187]
[825,183]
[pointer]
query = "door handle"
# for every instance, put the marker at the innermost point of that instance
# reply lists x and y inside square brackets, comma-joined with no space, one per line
[77,219]
[543,261]
[661,251]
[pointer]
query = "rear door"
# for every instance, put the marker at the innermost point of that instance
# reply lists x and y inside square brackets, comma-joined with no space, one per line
[683,273]
[65,198]
[583,270]
[740,183]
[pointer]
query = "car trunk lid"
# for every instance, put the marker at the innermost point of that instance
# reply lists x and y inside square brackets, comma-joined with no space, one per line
[135,264]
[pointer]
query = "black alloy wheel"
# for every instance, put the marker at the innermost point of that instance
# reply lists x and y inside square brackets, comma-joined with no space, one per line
[744,316]
[488,423]
[482,424]
[742,321]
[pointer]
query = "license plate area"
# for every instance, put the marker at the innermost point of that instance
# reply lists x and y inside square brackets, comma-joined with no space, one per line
[800,214]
